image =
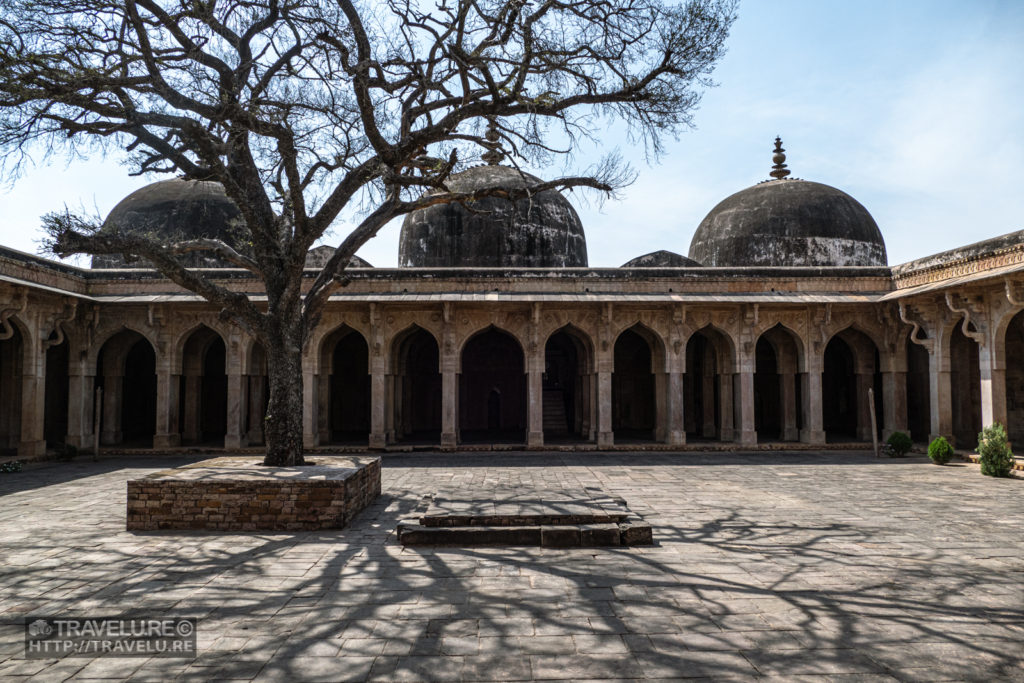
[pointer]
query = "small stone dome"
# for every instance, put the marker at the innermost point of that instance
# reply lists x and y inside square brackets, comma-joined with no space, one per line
[175,210]
[543,231]
[788,222]
[661,259]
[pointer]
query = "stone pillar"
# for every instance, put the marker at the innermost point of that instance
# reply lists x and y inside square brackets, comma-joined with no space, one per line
[378,403]
[193,406]
[676,435]
[81,388]
[941,400]
[311,414]
[993,384]
[707,388]
[33,396]
[725,406]
[864,382]
[661,413]
[167,386]
[894,403]
[744,402]
[605,435]
[787,399]
[813,431]
[449,401]
[396,399]
[236,394]
[323,401]
[113,395]
[535,403]
[257,399]
[587,426]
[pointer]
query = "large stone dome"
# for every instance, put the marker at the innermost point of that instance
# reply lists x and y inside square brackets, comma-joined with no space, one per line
[788,222]
[175,210]
[543,231]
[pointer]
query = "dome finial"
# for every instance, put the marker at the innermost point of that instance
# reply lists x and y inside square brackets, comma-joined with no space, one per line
[494,154]
[779,170]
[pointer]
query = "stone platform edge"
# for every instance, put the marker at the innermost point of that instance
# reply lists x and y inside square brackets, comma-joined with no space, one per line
[162,502]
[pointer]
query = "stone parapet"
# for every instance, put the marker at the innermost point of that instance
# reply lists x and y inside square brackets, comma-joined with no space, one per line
[238,494]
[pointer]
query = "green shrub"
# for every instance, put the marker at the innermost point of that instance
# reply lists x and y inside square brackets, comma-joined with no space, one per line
[900,442]
[940,451]
[10,466]
[996,456]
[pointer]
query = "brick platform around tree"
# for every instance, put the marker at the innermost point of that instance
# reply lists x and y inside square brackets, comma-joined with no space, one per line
[240,494]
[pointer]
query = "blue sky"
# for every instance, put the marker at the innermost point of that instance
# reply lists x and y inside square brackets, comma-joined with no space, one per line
[914,108]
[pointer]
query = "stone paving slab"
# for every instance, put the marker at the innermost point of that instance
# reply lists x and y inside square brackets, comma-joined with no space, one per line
[766,566]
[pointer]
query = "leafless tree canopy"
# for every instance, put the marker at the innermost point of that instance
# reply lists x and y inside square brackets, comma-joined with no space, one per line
[302,107]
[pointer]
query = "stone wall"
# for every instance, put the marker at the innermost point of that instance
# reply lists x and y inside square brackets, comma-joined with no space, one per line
[236,494]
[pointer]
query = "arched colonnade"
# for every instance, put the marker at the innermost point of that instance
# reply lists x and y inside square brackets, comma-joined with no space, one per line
[521,377]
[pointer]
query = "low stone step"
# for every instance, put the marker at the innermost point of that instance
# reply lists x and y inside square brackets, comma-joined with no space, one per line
[518,520]
[632,533]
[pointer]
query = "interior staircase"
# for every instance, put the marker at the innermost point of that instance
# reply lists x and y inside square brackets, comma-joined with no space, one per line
[554,413]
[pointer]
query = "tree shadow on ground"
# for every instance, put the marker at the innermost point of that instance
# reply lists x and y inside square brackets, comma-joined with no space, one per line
[724,594]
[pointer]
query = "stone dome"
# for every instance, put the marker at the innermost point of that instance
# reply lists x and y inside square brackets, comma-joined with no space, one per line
[661,259]
[542,231]
[788,222]
[175,210]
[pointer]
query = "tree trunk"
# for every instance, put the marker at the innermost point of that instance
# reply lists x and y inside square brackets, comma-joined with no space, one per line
[283,428]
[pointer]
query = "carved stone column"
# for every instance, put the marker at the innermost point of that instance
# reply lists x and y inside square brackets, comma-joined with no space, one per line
[113,395]
[378,403]
[311,412]
[787,398]
[813,431]
[167,386]
[864,381]
[257,400]
[236,390]
[33,393]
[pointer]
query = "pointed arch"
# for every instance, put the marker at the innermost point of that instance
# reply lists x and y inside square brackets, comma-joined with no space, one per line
[415,387]
[777,391]
[344,386]
[568,386]
[638,362]
[707,385]
[12,352]
[492,387]
[200,356]
[126,372]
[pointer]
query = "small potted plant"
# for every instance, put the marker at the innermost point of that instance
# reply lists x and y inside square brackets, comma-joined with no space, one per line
[940,451]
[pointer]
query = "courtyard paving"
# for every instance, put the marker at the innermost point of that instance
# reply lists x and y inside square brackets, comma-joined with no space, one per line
[778,566]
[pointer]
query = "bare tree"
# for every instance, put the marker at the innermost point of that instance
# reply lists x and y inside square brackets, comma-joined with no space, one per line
[303,109]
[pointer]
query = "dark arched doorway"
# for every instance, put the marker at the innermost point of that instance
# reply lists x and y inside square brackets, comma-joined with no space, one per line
[203,404]
[11,360]
[1015,379]
[126,371]
[348,393]
[839,392]
[55,416]
[965,387]
[851,368]
[417,389]
[634,404]
[566,388]
[707,387]
[777,393]
[918,391]
[257,396]
[492,389]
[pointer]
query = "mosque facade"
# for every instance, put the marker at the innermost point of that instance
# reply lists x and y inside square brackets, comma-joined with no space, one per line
[784,323]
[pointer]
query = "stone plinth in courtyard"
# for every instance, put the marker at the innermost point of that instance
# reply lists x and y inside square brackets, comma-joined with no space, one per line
[240,494]
[517,516]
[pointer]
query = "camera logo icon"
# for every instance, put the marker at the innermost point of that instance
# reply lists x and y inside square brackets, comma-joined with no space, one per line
[39,628]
